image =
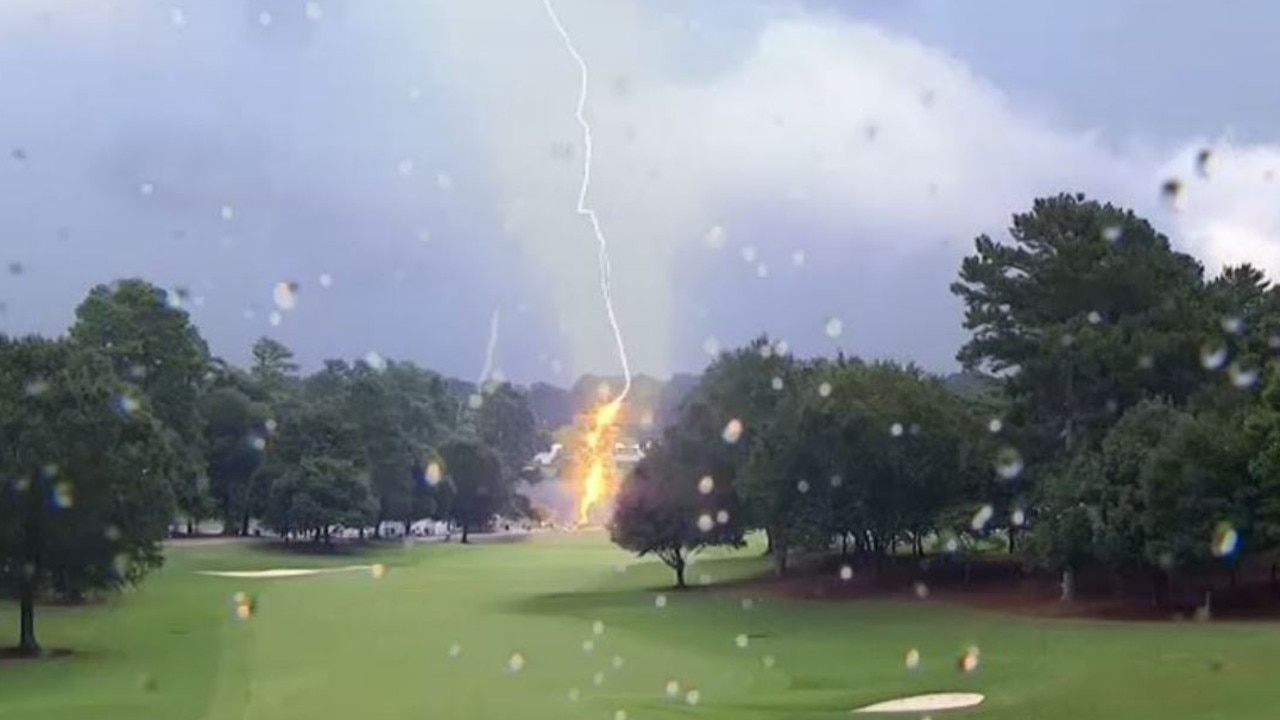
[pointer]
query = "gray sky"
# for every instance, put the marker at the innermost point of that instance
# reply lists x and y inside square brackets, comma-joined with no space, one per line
[759,166]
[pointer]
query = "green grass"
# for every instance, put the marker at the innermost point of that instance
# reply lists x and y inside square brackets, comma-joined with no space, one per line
[348,646]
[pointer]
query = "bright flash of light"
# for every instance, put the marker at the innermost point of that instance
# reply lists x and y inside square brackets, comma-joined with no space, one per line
[599,459]
[584,209]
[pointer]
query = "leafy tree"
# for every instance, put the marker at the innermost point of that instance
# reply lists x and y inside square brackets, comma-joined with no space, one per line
[85,461]
[151,343]
[317,494]
[273,366]
[479,490]
[1083,314]
[661,510]
[235,435]
[507,423]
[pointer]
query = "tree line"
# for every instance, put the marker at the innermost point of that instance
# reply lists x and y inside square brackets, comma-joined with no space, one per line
[109,433]
[1122,421]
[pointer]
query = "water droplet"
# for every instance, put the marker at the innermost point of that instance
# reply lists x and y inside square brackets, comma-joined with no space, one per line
[620,715]
[660,601]
[574,694]
[375,361]
[1204,163]
[969,661]
[617,662]
[1213,357]
[1146,362]
[711,346]
[732,431]
[455,650]
[597,627]
[1233,325]
[275,318]
[722,517]
[285,295]
[126,406]
[1112,233]
[257,442]
[780,348]
[405,166]
[1171,192]
[995,425]
[749,254]
[377,571]
[177,17]
[951,545]
[776,383]
[895,430]
[1225,540]
[741,641]
[444,181]
[475,400]
[1019,518]
[326,280]
[228,212]
[715,238]
[921,590]
[1242,377]
[672,688]
[597,679]
[146,188]
[837,481]
[63,495]
[264,19]
[515,663]
[706,523]
[846,573]
[797,258]
[112,533]
[835,327]
[1008,463]
[692,697]
[704,579]
[762,270]
[434,473]
[802,487]
[588,646]
[748,603]
[1094,317]
[766,350]
[35,388]
[314,12]
[913,659]
[981,518]
[824,389]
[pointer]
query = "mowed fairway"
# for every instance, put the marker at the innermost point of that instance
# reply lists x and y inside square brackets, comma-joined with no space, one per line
[345,645]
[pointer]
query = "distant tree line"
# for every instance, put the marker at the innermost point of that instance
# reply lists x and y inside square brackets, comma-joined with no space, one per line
[110,433]
[1120,417]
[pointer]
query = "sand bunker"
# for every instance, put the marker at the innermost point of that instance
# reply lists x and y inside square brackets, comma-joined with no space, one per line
[280,573]
[933,702]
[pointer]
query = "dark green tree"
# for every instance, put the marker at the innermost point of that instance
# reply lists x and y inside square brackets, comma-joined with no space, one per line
[479,491]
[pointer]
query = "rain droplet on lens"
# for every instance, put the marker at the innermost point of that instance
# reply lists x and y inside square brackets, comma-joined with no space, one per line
[767,661]
[895,430]
[980,518]
[375,361]
[285,295]
[835,327]
[762,270]
[741,641]
[1171,192]
[837,481]
[995,425]
[706,485]
[1094,317]
[515,663]
[660,601]
[264,19]
[1008,463]
[620,715]
[824,389]
[711,346]
[1213,357]
[672,688]
[913,659]
[1112,233]
[1019,518]
[921,590]
[1204,163]
[776,383]
[588,646]
[1225,540]
[617,662]
[798,258]
[732,431]
[574,694]
[715,237]
[846,572]
[749,254]
[802,487]
[722,517]
[597,679]
[1242,377]
[706,523]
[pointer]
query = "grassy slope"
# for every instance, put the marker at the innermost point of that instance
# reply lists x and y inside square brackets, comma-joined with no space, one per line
[346,645]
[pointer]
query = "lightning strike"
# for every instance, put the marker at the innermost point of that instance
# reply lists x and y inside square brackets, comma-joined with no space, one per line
[599,460]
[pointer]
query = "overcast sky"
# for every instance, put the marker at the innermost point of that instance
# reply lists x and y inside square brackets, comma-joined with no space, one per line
[758,166]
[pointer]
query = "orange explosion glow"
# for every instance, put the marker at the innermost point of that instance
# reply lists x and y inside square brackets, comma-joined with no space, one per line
[597,460]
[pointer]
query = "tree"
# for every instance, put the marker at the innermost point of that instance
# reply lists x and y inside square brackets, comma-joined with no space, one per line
[318,494]
[86,464]
[151,344]
[661,509]
[273,366]
[235,436]
[1085,312]
[507,423]
[479,490]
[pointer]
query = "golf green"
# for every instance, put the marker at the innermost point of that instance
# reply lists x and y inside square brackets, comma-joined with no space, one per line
[570,627]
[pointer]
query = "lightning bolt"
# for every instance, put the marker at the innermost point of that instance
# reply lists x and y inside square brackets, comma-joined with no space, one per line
[487,369]
[585,209]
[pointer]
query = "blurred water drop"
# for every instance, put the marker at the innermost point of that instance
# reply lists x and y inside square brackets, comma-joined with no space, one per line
[405,166]
[63,495]
[377,570]
[706,523]
[1242,377]
[146,188]
[1146,362]
[1233,325]
[620,715]
[1204,163]
[1225,540]
[969,661]
[722,517]
[1019,518]
[895,430]
[802,487]
[375,361]
[285,295]
[766,350]
[692,697]
[1112,233]
[228,212]
[672,688]
[762,270]
[837,481]
[574,694]
[748,603]
[257,442]
[834,327]
[846,573]
[1213,357]
[776,383]
[768,661]
[1094,317]
[749,254]
[444,181]
[781,347]
[732,431]
[706,485]
[1171,193]
[797,258]
[475,401]
[617,662]
[597,628]
[35,388]
[913,659]
[715,238]
[275,318]
[588,646]
[326,280]
[1009,463]
[597,679]
[314,12]
[177,17]
[824,389]
[264,19]
[921,590]
[741,641]
[995,425]
[711,346]
[951,546]
[980,518]
[126,406]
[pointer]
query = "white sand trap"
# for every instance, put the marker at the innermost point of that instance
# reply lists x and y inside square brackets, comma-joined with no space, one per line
[280,572]
[933,702]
